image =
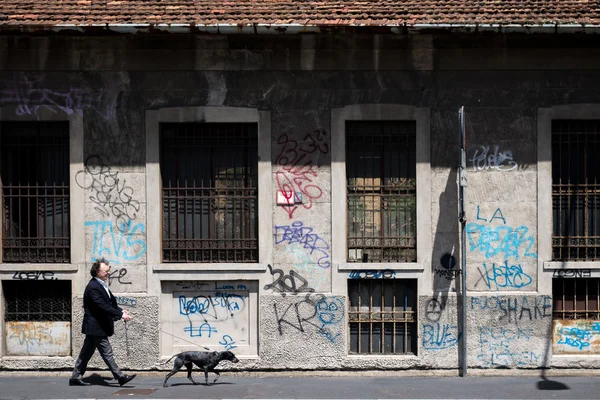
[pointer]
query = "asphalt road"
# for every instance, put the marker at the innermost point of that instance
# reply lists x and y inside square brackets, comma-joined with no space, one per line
[265,385]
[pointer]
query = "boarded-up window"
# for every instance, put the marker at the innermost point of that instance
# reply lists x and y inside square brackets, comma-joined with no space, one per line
[37,315]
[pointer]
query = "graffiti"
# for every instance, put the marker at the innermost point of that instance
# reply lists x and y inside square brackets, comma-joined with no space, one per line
[34,276]
[30,96]
[197,331]
[298,233]
[319,314]
[126,301]
[483,160]
[280,282]
[495,347]
[439,336]
[500,240]
[296,171]
[29,334]
[110,193]
[122,247]
[448,274]
[191,285]
[207,305]
[372,274]
[433,310]
[504,276]
[515,308]
[228,342]
[448,261]
[572,273]
[575,336]
[118,274]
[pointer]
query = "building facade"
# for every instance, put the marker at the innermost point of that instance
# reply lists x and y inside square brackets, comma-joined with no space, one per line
[294,198]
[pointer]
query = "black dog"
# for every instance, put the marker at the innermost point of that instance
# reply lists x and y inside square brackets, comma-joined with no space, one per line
[204,360]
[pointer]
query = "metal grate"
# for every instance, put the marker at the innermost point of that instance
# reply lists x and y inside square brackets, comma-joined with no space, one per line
[210,192]
[381,190]
[35,192]
[576,190]
[576,298]
[37,300]
[382,316]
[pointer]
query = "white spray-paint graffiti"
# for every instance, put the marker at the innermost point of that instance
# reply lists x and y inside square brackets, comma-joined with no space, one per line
[482,159]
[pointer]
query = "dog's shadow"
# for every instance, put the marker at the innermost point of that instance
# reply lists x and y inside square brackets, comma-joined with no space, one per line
[200,384]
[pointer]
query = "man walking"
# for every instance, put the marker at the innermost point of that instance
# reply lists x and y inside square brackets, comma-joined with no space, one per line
[100,312]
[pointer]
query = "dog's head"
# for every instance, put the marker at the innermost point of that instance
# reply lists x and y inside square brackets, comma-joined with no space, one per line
[229,356]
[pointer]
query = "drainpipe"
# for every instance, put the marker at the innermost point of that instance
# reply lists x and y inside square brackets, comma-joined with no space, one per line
[462,218]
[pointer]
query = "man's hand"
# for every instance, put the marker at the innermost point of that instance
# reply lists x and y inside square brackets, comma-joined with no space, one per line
[126,316]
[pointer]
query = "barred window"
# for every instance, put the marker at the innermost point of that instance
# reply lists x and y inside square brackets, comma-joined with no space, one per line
[383,317]
[37,300]
[576,298]
[210,192]
[381,191]
[576,190]
[35,192]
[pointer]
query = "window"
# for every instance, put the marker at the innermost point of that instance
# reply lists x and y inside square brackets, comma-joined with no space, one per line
[382,316]
[209,177]
[576,298]
[381,191]
[30,300]
[575,190]
[35,192]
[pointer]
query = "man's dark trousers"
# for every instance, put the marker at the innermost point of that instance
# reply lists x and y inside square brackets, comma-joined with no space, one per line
[90,344]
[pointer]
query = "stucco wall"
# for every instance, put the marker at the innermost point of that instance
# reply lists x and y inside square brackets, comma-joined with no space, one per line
[109,84]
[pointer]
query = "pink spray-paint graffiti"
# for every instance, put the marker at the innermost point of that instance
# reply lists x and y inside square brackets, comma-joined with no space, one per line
[297,171]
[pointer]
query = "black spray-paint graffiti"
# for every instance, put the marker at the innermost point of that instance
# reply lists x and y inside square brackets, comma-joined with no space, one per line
[118,274]
[448,274]
[34,276]
[109,192]
[320,313]
[372,274]
[281,282]
[516,308]
[572,273]
[433,310]
[448,261]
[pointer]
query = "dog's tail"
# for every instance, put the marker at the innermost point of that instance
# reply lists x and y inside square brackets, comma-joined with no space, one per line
[164,362]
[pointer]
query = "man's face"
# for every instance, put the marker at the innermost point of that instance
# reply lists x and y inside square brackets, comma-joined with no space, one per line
[103,272]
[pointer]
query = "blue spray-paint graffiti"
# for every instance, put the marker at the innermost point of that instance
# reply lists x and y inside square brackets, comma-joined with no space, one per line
[579,335]
[227,342]
[495,347]
[208,304]
[439,336]
[122,246]
[497,276]
[298,233]
[197,331]
[499,240]
[372,274]
[126,301]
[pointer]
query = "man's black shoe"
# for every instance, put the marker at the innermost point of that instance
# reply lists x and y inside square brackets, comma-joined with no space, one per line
[78,382]
[126,378]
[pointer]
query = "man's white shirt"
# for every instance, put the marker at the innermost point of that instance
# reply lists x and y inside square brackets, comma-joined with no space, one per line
[104,285]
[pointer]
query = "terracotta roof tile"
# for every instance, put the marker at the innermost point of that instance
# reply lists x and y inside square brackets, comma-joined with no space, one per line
[299,12]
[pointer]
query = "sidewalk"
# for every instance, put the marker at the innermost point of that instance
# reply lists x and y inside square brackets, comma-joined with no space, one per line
[303,385]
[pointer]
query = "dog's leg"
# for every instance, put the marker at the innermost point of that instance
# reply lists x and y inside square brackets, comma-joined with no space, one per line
[216,377]
[176,367]
[206,375]
[189,365]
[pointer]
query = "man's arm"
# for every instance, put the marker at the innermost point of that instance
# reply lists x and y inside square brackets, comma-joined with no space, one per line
[100,301]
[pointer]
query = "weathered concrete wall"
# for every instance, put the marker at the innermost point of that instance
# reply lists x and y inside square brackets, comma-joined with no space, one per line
[502,82]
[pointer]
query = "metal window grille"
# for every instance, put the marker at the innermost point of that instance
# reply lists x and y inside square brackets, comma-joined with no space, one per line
[210,192]
[35,192]
[382,317]
[381,191]
[37,300]
[576,298]
[575,190]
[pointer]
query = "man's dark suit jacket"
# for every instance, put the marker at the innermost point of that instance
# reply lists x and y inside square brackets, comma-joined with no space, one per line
[100,310]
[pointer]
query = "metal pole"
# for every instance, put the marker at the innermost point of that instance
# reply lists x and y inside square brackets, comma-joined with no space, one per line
[462,218]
